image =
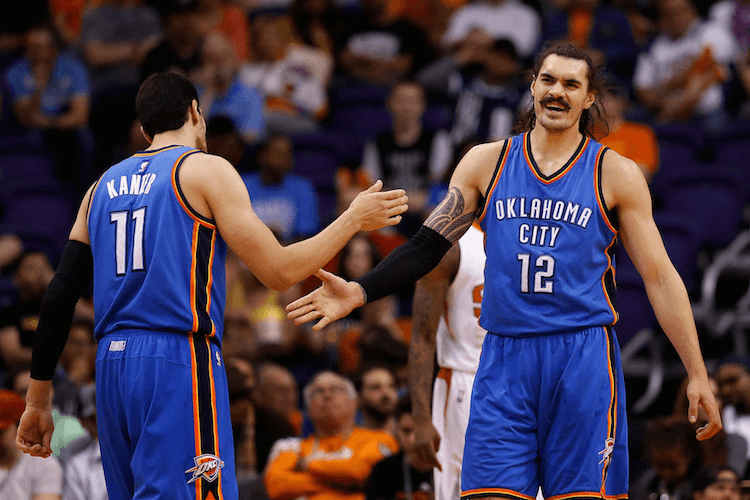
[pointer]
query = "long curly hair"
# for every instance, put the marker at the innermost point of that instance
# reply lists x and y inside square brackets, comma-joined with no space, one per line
[594,121]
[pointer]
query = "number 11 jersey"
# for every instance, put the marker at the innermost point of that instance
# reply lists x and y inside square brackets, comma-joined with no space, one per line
[549,244]
[159,265]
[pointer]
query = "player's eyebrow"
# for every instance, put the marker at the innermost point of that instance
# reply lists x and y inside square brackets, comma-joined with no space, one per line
[565,80]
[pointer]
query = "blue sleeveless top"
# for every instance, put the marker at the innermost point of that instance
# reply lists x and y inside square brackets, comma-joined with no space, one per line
[158,264]
[549,245]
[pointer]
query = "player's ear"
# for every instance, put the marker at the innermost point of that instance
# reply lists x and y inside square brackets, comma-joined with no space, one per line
[146,136]
[195,112]
[590,98]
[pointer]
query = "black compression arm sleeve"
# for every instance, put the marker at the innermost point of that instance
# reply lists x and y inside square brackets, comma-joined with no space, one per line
[406,264]
[72,279]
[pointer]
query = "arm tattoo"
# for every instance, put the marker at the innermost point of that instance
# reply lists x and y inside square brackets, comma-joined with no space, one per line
[448,218]
[427,311]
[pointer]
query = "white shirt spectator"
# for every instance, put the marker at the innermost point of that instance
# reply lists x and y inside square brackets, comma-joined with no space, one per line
[736,424]
[31,476]
[511,19]
[84,475]
[667,57]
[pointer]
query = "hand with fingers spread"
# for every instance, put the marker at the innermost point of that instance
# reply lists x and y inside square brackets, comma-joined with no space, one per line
[375,209]
[35,431]
[426,444]
[699,393]
[333,300]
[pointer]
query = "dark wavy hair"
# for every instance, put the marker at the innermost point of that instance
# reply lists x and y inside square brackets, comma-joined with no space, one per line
[594,121]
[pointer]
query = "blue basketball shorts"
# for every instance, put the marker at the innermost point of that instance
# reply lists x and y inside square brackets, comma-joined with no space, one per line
[163,417]
[548,411]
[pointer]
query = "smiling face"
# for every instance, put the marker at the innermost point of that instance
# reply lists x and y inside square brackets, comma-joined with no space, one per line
[561,92]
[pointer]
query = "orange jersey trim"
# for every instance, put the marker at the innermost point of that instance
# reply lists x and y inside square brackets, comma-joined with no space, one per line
[156,151]
[612,412]
[597,184]
[213,410]
[180,200]
[504,154]
[196,414]
[209,283]
[604,276]
[561,173]
[495,492]
[587,494]
[193,277]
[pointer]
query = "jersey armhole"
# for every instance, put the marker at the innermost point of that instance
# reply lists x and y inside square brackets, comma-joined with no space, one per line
[91,199]
[504,153]
[181,196]
[610,216]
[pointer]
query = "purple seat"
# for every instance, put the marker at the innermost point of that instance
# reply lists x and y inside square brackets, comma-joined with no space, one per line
[317,157]
[711,198]
[634,309]
[23,165]
[682,239]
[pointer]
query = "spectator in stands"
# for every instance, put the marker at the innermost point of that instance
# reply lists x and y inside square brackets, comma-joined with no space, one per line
[335,462]
[18,321]
[220,16]
[50,92]
[24,477]
[402,475]
[380,49]
[180,50]
[277,390]
[672,451]
[485,102]
[11,249]
[408,156]
[255,428]
[84,473]
[222,92]
[292,77]
[734,16]
[49,89]
[725,448]
[75,369]
[116,36]
[224,140]
[633,140]
[733,377]
[482,22]
[602,29]
[316,23]
[17,19]
[286,203]
[378,397]
[679,78]
[66,17]
[716,482]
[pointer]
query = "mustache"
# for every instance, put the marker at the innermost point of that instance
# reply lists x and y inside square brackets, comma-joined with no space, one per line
[554,100]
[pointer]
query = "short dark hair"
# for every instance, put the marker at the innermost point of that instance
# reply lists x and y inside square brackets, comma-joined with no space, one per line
[708,475]
[594,122]
[163,102]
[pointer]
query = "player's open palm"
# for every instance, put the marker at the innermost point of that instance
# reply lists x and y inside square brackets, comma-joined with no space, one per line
[35,432]
[375,209]
[333,300]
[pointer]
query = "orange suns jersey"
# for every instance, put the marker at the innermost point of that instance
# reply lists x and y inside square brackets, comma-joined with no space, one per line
[336,468]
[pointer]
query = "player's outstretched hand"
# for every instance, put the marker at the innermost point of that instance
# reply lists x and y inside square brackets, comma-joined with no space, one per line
[699,393]
[35,432]
[333,300]
[375,209]
[426,444]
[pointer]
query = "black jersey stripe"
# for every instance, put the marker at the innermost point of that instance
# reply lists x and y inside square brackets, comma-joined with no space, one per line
[206,431]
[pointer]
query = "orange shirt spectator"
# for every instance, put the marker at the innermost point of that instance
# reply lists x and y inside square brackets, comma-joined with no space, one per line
[335,461]
[638,142]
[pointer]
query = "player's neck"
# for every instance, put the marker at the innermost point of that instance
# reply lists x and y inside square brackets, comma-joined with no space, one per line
[552,149]
[181,137]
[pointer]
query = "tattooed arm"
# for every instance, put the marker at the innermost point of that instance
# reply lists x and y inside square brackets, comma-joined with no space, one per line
[429,298]
[415,258]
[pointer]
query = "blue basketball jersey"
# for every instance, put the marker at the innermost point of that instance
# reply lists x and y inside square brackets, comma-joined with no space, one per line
[549,245]
[159,265]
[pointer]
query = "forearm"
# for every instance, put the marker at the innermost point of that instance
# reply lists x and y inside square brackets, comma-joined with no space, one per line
[38,394]
[77,117]
[284,483]
[671,305]
[300,260]
[111,54]
[425,317]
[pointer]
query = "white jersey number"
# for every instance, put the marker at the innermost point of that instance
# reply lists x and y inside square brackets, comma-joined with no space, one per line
[544,270]
[120,220]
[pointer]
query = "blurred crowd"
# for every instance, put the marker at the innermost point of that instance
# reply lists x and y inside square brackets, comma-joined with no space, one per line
[313,100]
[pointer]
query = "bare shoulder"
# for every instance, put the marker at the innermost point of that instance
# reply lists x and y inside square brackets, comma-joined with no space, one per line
[622,179]
[476,167]
[205,165]
[208,180]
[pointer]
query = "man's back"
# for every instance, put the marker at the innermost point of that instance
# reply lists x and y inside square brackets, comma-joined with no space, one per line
[159,265]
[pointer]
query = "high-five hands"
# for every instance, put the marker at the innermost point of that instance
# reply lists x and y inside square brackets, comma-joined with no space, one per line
[333,300]
[374,208]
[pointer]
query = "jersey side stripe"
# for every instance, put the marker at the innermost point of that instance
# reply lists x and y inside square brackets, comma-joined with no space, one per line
[493,182]
[612,412]
[203,405]
[202,261]
[181,196]
[193,277]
